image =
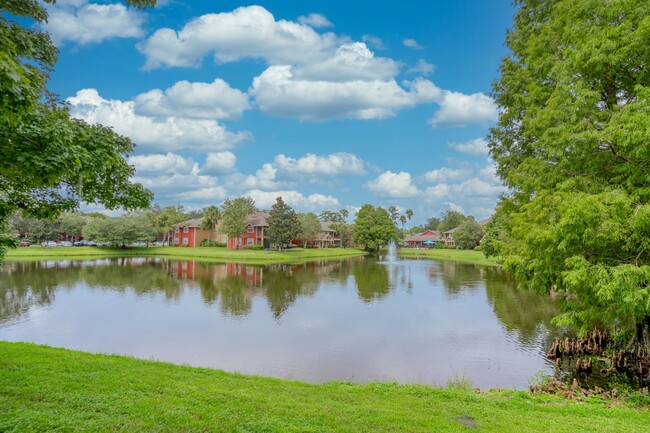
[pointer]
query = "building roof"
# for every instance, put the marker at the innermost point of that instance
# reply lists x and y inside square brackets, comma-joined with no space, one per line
[485,222]
[259,218]
[326,226]
[194,222]
[429,235]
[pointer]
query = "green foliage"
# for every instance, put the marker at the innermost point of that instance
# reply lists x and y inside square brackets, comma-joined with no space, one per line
[431,224]
[344,231]
[124,230]
[51,162]
[211,217]
[468,234]
[283,224]
[450,219]
[310,227]
[234,213]
[334,216]
[209,243]
[373,227]
[572,144]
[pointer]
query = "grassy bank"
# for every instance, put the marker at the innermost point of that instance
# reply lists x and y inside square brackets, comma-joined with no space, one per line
[294,255]
[475,257]
[46,389]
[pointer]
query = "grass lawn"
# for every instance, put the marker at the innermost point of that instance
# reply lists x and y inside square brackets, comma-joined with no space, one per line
[47,389]
[203,254]
[466,256]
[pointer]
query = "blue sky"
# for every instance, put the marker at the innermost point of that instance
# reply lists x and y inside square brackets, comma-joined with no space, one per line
[329,104]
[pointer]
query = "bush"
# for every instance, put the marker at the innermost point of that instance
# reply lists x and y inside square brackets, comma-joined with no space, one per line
[253,247]
[209,243]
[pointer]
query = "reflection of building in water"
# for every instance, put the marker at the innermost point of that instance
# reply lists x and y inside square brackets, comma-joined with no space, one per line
[194,271]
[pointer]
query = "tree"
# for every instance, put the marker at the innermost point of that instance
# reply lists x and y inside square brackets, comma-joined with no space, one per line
[571,143]
[234,213]
[432,223]
[450,219]
[402,219]
[163,219]
[51,162]
[373,227]
[409,215]
[394,213]
[72,224]
[283,224]
[468,234]
[344,231]
[310,227]
[211,217]
[334,216]
[121,231]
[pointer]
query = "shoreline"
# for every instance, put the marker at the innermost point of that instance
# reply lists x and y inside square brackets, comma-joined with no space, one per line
[77,391]
[223,255]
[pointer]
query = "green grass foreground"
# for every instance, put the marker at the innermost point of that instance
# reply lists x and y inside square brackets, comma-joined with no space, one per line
[293,255]
[48,389]
[465,256]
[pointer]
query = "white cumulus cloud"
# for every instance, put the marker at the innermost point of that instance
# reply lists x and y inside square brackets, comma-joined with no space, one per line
[161,163]
[295,199]
[246,32]
[278,92]
[216,100]
[393,185]
[459,109]
[315,20]
[159,134]
[220,162]
[477,146]
[83,23]
[422,67]
[335,164]
[412,43]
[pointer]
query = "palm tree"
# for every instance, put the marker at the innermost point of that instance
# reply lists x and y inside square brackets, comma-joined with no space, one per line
[409,215]
[211,216]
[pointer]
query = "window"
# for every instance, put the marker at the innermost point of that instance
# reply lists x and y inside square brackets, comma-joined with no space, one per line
[186,229]
[259,242]
[185,241]
[176,230]
[250,241]
[250,229]
[239,241]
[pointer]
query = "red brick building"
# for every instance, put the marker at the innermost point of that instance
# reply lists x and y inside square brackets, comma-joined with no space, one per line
[189,233]
[255,233]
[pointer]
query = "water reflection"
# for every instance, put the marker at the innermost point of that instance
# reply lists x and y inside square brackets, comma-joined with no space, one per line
[359,319]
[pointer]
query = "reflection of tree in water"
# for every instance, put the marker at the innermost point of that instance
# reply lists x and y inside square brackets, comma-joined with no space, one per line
[518,310]
[373,283]
[458,278]
[24,285]
[234,290]
[285,283]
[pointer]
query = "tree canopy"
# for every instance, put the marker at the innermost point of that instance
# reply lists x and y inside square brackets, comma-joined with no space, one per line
[283,224]
[373,227]
[310,227]
[234,213]
[50,162]
[573,145]
[468,234]
[450,219]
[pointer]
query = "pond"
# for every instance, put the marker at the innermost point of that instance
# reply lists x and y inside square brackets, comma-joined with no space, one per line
[412,321]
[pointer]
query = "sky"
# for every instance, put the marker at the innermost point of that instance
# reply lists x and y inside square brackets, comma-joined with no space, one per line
[329,104]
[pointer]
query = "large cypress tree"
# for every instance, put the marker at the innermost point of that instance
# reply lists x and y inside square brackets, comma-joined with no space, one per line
[573,145]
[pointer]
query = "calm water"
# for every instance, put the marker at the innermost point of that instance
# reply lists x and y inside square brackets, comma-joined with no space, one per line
[357,319]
